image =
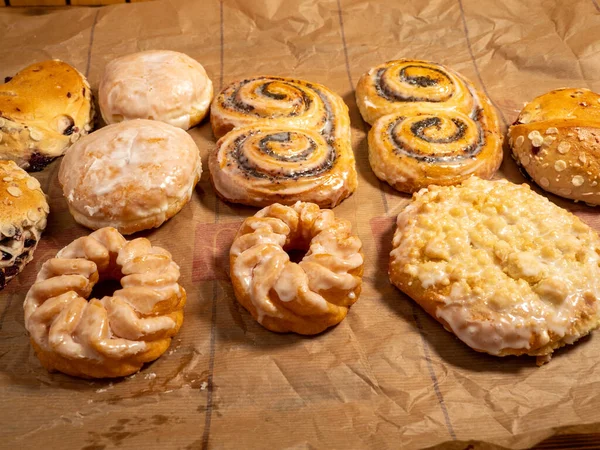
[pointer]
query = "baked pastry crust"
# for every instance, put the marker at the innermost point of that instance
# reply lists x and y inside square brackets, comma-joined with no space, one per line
[556,138]
[113,336]
[133,175]
[430,125]
[503,268]
[283,140]
[44,108]
[306,297]
[23,213]
[157,85]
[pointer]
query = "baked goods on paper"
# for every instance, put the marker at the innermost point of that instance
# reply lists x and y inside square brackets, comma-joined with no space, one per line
[556,139]
[133,175]
[113,336]
[158,85]
[305,297]
[430,125]
[23,213]
[281,140]
[44,109]
[503,268]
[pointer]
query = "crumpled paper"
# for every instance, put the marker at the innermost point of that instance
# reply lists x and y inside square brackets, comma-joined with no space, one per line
[388,376]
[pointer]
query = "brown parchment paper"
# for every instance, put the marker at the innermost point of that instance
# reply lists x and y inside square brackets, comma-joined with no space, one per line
[388,376]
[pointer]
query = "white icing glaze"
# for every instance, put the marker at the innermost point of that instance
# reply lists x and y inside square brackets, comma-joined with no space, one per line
[131,171]
[308,155]
[60,320]
[158,85]
[261,267]
[518,268]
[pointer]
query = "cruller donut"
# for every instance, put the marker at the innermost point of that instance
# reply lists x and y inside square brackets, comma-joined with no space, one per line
[305,297]
[113,336]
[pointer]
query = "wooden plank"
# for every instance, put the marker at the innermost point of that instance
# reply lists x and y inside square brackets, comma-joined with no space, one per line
[37,2]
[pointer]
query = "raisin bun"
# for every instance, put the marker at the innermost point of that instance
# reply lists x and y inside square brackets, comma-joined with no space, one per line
[43,110]
[23,212]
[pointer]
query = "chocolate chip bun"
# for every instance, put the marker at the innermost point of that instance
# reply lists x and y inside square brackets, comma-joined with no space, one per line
[23,212]
[556,140]
[43,109]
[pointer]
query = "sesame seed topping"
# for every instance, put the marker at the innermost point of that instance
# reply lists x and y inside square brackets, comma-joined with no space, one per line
[552,130]
[564,147]
[520,141]
[33,184]
[14,191]
[35,135]
[577,180]
[525,118]
[536,138]
[544,182]
[560,165]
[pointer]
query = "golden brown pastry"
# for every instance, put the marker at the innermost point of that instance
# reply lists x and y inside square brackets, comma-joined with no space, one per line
[158,85]
[430,125]
[503,268]
[113,336]
[133,175]
[305,297]
[23,213]
[556,140]
[290,142]
[43,109]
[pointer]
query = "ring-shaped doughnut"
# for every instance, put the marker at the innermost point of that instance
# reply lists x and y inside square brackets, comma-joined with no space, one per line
[305,297]
[113,336]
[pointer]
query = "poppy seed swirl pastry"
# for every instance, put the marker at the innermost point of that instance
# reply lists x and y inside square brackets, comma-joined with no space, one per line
[44,108]
[305,297]
[133,175]
[281,140]
[23,213]
[555,140]
[430,125]
[157,85]
[501,267]
[113,336]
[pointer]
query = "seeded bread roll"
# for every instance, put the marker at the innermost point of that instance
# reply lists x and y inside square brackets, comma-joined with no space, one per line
[23,212]
[556,140]
[43,109]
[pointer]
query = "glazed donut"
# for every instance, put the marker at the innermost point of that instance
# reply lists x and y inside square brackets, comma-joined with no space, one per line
[43,109]
[503,268]
[133,175]
[158,85]
[113,336]
[555,139]
[306,297]
[23,213]
[430,125]
[282,140]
